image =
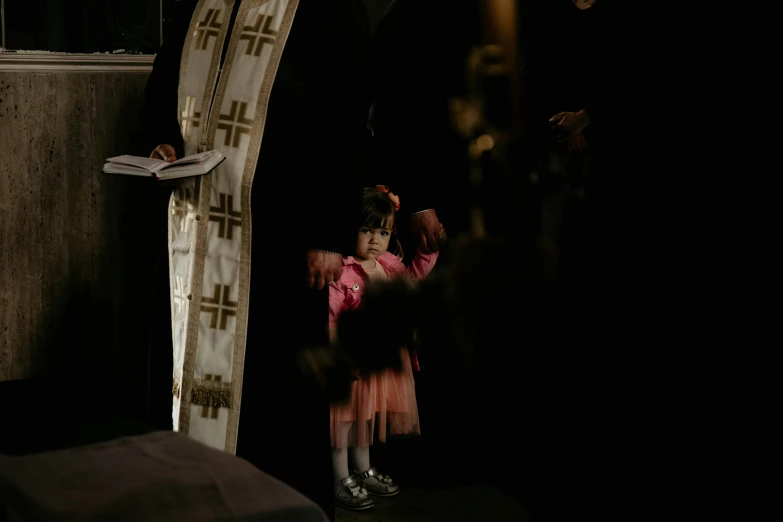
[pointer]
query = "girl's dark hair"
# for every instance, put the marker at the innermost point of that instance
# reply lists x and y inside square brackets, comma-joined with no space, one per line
[378,212]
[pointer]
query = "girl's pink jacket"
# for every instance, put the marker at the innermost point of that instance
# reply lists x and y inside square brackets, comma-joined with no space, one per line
[346,294]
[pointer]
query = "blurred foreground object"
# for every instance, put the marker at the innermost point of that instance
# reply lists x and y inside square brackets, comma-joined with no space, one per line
[153,477]
[454,310]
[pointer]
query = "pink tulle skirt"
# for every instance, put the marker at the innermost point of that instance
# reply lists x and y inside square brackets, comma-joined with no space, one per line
[384,400]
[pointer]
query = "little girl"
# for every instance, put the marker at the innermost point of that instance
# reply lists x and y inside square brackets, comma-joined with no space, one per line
[386,399]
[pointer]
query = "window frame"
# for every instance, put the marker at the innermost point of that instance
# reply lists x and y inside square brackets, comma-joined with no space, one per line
[24,60]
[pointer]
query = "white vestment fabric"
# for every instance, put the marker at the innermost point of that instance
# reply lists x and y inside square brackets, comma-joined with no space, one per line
[209,216]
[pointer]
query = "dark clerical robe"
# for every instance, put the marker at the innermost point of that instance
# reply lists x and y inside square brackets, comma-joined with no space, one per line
[280,88]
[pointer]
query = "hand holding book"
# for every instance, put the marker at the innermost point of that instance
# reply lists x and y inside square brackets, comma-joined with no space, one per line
[165,152]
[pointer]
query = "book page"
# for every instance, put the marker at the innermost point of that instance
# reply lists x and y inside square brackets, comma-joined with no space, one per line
[138,161]
[191,169]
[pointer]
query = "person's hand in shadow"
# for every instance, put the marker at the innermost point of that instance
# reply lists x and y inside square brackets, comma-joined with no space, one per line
[577,143]
[567,124]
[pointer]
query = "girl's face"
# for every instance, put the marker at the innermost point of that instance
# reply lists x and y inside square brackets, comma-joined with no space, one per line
[372,242]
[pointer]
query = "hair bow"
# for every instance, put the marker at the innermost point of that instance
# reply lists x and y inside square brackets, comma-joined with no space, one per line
[395,199]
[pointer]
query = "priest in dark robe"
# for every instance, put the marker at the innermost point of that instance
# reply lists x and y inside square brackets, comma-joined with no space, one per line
[280,87]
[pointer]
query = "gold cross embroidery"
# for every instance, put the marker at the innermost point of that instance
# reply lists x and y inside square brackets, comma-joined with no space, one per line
[219,306]
[211,393]
[237,123]
[190,117]
[206,28]
[225,216]
[184,210]
[179,295]
[258,36]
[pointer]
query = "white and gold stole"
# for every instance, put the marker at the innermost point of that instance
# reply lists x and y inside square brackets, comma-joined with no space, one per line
[209,216]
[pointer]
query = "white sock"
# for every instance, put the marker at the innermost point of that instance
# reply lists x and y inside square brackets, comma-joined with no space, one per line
[340,463]
[340,455]
[361,458]
[361,462]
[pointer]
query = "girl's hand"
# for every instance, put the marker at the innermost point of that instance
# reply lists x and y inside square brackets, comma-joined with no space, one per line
[165,152]
[583,4]
[568,124]
[426,228]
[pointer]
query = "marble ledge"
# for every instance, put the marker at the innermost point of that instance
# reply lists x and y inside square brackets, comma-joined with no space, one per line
[42,61]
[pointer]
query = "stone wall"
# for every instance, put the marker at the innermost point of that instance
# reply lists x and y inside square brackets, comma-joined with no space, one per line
[77,247]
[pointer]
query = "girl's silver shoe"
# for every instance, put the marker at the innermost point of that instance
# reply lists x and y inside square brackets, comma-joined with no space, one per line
[384,487]
[348,494]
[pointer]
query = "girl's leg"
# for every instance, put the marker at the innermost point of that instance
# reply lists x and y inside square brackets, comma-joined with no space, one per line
[340,455]
[347,490]
[374,483]
[360,458]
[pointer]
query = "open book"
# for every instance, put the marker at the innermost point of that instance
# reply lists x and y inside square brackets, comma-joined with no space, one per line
[193,165]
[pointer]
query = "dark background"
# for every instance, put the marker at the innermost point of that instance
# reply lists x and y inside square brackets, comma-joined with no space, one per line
[97,26]
[83,26]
